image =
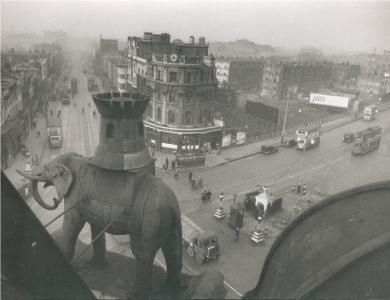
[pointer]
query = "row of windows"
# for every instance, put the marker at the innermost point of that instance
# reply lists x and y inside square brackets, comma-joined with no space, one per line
[204,96]
[204,116]
[189,77]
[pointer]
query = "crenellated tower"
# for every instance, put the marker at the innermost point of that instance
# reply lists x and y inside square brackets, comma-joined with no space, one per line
[122,143]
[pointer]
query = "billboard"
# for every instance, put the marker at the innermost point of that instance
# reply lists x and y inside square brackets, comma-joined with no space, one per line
[329,100]
[226,140]
[240,137]
[262,111]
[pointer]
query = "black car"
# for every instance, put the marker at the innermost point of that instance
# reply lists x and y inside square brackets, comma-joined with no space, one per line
[289,143]
[349,137]
[269,149]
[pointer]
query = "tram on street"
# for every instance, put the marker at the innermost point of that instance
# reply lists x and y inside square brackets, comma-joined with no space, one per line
[308,137]
[367,140]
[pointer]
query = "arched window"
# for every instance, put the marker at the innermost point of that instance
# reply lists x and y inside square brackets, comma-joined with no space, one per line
[188,118]
[110,131]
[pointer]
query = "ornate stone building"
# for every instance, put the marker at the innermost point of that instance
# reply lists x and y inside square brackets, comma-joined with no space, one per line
[181,80]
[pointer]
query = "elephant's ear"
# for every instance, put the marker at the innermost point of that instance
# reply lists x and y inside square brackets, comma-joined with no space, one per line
[62,180]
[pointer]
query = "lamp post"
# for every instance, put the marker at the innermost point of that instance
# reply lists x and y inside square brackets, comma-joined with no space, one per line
[284,124]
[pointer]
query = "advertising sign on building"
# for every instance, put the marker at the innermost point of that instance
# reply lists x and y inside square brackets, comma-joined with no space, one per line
[240,137]
[329,100]
[226,140]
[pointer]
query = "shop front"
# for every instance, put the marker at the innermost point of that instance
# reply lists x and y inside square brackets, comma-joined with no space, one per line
[182,140]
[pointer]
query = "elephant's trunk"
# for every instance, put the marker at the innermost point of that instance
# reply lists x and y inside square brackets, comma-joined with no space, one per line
[32,176]
[39,199]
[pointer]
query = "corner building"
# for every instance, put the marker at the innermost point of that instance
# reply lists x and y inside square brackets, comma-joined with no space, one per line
[180,79]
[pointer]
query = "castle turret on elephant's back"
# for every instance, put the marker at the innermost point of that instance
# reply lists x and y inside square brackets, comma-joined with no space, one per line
[122,142]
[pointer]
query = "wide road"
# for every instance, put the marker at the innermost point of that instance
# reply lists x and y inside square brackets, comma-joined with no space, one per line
[325,170]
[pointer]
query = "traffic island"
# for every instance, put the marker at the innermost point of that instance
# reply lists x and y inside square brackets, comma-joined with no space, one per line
[219,213]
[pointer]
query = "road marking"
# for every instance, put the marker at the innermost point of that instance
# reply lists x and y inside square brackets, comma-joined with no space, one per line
[232,288]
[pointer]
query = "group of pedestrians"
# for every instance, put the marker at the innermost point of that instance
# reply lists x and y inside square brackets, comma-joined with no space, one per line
[196,182]
[173,164]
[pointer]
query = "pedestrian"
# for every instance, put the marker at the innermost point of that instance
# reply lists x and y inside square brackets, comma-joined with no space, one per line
[237,231]
[204,195]
[176,175]
[166,162]
[234,198]
[200,182]
[208,196]
[190,177]
[193,183]
[173,163]
[220,198]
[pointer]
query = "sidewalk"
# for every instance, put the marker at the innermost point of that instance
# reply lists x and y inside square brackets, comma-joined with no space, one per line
[39,144]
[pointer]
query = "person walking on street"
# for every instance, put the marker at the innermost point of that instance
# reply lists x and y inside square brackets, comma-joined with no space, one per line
[204,195]
[234,198]
[193,183]
[167,162]
[221,199]
[237,231]
[190,178]
[173,163]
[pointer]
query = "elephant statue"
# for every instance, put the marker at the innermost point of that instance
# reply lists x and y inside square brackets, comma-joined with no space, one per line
[117,202]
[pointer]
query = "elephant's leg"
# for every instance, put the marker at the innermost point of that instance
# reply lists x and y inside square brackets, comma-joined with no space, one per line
[71,226]
[144,266]
[173,259]
[99,246]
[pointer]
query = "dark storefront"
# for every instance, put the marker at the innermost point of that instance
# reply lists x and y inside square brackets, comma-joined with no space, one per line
[175,140]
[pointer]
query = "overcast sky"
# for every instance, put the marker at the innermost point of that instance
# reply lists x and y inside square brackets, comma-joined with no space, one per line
[344,25]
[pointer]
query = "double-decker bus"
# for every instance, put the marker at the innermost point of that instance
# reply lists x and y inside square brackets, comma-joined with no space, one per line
[308,137]
[367,140]
[370,112]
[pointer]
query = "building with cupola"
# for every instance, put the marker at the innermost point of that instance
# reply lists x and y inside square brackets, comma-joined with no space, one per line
[180,79]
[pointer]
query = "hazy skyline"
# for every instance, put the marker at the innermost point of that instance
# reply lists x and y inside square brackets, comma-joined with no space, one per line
[352,26]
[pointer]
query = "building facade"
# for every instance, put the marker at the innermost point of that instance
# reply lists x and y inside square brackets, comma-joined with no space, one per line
[27,80]
[240,74]
[181,80]
[11,107]
[296,80]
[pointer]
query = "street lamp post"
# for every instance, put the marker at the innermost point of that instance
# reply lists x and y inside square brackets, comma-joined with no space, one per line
[30,132]
[284,124]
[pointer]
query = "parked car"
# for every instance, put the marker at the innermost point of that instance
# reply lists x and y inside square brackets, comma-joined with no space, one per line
[349,137]
[289,143]
[269,149]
